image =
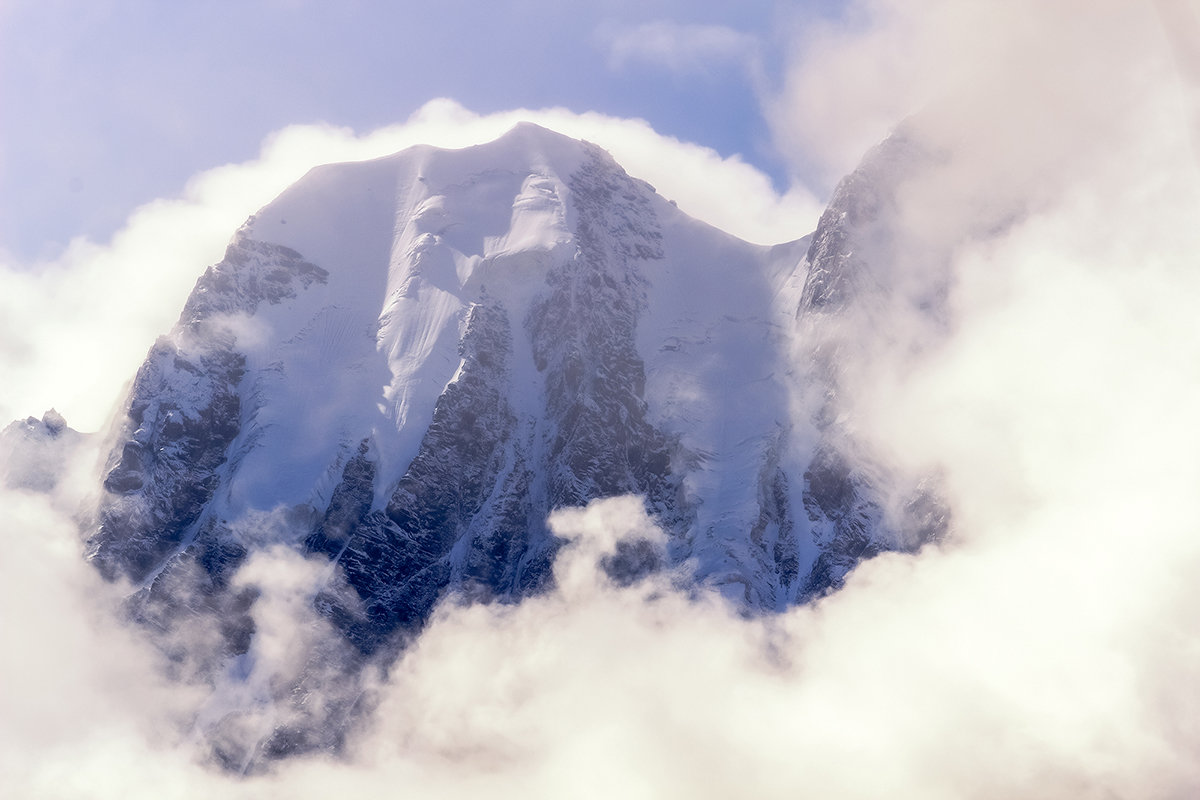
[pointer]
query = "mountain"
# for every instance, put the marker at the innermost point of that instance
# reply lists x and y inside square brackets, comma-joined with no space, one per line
[401,366]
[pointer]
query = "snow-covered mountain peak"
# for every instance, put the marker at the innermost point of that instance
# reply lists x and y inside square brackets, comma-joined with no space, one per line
[404,365]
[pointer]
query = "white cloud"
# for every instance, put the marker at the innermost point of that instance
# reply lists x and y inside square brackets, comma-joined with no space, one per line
[1021,664]
[998,669]
[72,331]
[995,72]
[79,691]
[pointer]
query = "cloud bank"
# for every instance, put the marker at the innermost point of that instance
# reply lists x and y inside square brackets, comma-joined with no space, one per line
[1049,651]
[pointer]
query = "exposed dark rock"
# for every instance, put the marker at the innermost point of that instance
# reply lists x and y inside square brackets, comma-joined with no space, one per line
[165,470]
[251,273]
[600,442]
[398,562]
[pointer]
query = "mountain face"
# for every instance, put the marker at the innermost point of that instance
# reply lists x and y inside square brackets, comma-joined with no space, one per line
[402,366]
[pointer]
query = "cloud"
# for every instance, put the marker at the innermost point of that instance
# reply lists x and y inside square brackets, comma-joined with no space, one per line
[1181,25]
[997,669]
[73,330]
[993,71]
[1056,399]
[80,691]
[684,49]
[1058,199]
[948,674]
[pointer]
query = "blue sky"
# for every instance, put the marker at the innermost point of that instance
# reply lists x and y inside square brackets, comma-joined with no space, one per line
[109,104]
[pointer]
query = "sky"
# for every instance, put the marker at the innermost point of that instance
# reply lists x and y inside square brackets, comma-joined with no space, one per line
[1048,651]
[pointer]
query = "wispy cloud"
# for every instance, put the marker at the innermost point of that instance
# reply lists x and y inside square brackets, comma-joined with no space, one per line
[685,49]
